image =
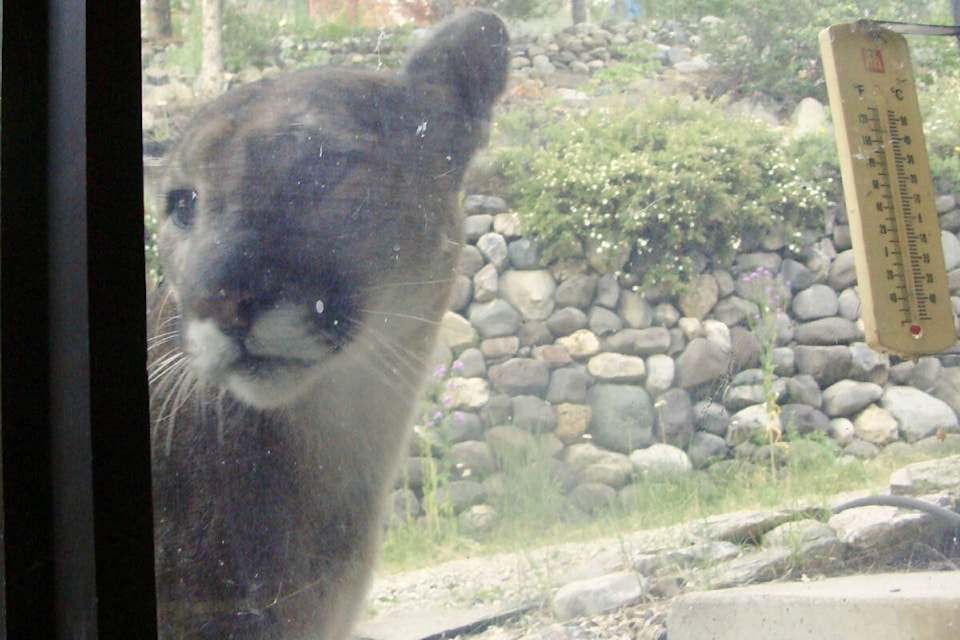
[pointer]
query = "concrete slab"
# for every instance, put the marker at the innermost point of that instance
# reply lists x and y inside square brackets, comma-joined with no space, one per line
[890,606]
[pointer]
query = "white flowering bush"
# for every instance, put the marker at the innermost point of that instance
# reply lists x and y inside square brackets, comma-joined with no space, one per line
[940,106]
[651,189]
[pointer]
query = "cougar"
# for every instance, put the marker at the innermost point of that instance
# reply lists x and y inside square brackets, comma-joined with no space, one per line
[308,243]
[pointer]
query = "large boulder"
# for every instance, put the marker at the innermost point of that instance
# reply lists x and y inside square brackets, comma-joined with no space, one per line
[826,364]
[702,361]
[827,331]
[580,344]
[568,384]
[817,301]
[521,376]
[530,292]
[616,367]
[639,342]
[660,460]
[576,291]
[700,298]
[675,418]
[494,319]
[918,414]
[493,247]
[533,414]
[876,425]
[846,397]
[622,418]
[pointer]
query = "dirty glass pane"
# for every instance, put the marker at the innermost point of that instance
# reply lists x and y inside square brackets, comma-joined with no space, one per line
[607,272]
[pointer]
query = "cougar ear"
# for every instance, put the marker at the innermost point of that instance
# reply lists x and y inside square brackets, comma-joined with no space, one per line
[469,53]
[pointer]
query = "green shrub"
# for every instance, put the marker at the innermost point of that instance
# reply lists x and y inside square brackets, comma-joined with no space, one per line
[248,39]
[251,38]
[814,155]
[656,188]
[523,9]
[691,10]
[186,22]
[768,48]
[531,499]
[940,106]
[637,64]
[771,48]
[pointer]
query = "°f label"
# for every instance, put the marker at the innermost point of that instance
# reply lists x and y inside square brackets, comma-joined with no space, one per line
[904,294]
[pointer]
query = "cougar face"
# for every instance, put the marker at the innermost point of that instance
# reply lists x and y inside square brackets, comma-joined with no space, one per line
[307,210]
[308,245]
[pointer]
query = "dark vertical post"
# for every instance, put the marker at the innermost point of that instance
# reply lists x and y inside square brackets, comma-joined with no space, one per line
[76,467]
[579,10]
[27,478]
[120,433]
[69,312]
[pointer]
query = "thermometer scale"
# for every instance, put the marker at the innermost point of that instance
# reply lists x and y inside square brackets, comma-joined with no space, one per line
[904,295]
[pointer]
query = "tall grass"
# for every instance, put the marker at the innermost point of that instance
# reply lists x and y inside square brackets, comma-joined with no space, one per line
[534,513]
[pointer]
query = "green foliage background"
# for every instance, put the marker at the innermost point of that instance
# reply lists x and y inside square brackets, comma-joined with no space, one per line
[771,47]
[659,188]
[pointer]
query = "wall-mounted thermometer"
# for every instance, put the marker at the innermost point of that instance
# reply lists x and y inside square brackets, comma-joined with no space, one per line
[904,295]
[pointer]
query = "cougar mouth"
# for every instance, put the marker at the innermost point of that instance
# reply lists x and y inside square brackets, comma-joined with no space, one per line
[268,363]
[265,366]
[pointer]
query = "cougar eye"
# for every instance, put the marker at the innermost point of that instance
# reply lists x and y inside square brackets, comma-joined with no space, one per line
[181,207]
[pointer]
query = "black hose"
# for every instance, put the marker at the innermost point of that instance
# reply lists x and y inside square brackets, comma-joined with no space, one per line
[904,502]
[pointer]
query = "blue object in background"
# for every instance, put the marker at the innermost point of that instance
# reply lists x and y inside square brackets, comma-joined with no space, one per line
[627,9]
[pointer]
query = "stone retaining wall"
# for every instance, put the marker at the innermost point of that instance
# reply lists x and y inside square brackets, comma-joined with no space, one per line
[609,384]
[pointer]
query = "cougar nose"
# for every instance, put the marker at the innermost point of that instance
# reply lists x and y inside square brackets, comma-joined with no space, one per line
[233,311]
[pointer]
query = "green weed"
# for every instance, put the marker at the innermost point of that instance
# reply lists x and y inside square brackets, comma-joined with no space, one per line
[621,182]
[811,474]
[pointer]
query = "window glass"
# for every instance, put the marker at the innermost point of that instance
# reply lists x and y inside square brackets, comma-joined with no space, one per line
[605,269]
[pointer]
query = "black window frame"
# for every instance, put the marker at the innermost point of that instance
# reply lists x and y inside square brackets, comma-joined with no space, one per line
[77,516]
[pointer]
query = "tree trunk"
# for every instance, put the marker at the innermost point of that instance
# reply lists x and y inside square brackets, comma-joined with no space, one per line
[353,11]
[210,82]
[159,24]
[579,8]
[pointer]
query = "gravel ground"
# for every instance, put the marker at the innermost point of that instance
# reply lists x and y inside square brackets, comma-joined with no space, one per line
[644,621]
[521,583]
[525,595]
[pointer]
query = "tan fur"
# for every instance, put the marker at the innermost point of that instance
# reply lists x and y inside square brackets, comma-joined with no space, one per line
[308,250]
